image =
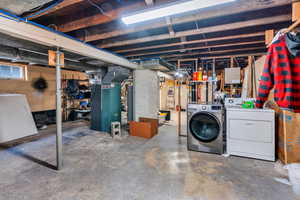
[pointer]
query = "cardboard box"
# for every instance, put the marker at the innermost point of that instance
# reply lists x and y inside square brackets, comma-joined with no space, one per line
[288,134]
[154,124]
[141,129]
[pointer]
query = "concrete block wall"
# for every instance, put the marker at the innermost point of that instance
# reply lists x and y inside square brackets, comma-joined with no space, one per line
[146,94]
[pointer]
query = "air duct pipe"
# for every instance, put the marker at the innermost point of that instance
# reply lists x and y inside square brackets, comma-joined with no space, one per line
[16,55]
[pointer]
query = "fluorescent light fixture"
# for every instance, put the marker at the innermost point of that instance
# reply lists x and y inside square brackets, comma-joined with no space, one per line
[172,10]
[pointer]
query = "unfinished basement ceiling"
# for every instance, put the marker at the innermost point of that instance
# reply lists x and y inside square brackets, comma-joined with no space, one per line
[22,42]
[232,29]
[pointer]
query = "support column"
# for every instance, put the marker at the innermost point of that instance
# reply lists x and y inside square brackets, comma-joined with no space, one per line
[59,156]
[179,109]
[179,102]
[214,77]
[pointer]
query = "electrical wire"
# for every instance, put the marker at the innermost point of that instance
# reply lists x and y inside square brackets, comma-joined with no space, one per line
[98,7]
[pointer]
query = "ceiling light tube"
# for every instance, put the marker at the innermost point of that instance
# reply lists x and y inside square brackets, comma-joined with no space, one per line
[172,10]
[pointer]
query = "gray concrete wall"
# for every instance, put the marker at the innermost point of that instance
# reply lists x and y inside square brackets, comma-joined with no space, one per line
[146,94]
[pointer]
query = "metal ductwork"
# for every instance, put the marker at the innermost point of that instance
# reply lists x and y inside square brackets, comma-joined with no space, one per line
[157,64]
[17,55]
[116,75]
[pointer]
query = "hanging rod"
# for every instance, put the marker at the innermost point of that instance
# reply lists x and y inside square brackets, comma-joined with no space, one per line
[293,26]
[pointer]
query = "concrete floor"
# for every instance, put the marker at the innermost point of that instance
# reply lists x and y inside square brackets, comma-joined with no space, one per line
[96,167]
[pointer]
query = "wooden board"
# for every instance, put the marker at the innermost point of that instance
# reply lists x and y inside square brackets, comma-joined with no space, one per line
[38,101]
[269,36]
[296,11]
[52,58]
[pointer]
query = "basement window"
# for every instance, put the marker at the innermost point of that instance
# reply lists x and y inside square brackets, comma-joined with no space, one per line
[11,72]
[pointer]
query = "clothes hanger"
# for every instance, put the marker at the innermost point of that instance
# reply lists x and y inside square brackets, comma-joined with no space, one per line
[292,28]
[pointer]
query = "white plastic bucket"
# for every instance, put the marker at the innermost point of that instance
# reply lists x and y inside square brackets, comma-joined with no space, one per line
[294,175]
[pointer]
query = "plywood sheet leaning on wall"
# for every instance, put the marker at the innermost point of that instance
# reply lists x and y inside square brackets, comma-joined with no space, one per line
[38,101]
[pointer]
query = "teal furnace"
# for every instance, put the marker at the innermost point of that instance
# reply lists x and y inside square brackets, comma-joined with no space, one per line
[106,106]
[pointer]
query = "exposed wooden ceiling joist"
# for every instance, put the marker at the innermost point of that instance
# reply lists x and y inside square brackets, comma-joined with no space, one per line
[223,27]
[241,36]
[195,48]
[238,7]
[212,52]
[235,56]
[99,18]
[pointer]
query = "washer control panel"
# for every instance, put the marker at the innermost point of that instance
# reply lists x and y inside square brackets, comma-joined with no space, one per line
[216,107]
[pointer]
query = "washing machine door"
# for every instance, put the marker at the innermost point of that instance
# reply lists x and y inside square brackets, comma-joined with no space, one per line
[204,126]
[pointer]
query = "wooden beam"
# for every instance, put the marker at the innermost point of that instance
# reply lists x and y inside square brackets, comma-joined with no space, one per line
[188,59]
[211,52]
[194,48]
[235,56]
[62,5]
[99,18]
[222,10]
[205,57]
[204,30]
[30,32]
[193,42]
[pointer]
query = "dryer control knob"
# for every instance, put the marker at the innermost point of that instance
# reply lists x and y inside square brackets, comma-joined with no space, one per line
[203,107]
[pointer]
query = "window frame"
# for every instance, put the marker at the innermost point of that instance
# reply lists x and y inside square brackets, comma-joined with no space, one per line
[23,69]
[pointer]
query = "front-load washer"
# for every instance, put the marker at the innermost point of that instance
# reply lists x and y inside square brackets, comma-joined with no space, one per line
[205,128]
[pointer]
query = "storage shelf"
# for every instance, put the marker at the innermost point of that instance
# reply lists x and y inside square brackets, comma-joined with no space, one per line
[198,82]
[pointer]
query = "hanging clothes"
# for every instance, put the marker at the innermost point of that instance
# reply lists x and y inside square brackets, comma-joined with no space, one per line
[293,43]
[282,72]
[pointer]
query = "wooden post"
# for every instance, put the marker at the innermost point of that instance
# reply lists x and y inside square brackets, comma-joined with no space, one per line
[296,11]
[231,86]
[269,35]
[250,77]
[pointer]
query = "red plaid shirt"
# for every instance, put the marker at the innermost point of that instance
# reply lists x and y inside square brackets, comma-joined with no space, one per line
[281,71]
